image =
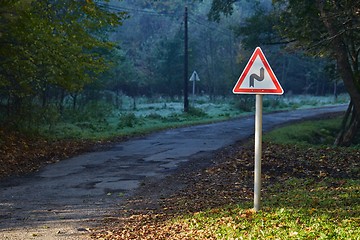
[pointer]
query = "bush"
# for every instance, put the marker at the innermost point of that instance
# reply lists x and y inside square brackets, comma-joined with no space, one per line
[196,112]
[154,116]
[274,103]
[174,117]
[95,110]
[245,103]
[128,120]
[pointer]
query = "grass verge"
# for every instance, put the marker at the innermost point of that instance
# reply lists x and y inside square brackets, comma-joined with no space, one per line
[295,209]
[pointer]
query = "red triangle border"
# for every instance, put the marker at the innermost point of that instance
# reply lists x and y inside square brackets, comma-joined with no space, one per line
[257,53]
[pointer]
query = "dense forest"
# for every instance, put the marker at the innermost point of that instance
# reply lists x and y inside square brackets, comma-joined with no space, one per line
[59,56]
[151,42]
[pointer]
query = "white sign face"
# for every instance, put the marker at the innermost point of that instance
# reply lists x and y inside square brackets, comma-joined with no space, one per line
[194,77]
[258,77]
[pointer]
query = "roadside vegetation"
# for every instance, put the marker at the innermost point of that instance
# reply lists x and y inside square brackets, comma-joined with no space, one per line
[99,120]
[29,143]
[310,191]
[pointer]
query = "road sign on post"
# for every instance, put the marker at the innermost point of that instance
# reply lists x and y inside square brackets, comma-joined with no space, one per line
[194,77]
[258,78]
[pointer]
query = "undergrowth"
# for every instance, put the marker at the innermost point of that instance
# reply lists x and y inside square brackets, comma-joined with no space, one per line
[102,120]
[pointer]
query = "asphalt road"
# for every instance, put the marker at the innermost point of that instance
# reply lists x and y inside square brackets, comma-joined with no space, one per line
[56,202]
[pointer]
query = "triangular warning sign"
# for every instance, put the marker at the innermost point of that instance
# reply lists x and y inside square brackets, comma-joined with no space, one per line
[258,77]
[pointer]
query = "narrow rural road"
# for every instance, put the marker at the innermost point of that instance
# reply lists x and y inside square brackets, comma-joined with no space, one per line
[59,201]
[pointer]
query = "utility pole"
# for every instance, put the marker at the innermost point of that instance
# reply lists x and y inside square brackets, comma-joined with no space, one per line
[186,62]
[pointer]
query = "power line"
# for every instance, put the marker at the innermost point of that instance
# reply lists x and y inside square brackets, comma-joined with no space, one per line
[215,28]
[137,10]
[192,19]
[209,24]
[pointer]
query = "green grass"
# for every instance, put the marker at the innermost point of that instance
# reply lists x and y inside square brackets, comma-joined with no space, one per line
[306,133]
[98,120]
[295,209]
[126,124]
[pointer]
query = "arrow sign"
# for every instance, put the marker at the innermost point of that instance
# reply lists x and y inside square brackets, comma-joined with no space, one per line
[194,77]
[250,82]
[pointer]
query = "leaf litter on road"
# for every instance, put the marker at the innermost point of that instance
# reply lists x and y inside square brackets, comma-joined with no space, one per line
[22,154]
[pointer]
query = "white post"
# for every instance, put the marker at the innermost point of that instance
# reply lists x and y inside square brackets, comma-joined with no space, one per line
[194,87]
[258,151]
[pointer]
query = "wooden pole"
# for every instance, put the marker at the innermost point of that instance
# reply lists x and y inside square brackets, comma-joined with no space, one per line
[186,62]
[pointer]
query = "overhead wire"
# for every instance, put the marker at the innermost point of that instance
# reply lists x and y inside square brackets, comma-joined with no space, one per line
[196,20]
[126,9]
[211,27]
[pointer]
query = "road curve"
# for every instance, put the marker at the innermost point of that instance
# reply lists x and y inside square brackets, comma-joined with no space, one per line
[56,202]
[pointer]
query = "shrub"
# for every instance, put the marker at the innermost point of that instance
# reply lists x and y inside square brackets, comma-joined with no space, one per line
[245,103]
[95,110]
[274,103]
[196,112]
[128,120]
[174,117]
[154,116]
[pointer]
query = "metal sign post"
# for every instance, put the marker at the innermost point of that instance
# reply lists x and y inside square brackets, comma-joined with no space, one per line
[258,78]
[258,151]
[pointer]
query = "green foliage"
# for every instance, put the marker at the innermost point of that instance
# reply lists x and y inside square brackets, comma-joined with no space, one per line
[220,6]
[128,120]
[170,66]
[274,104]
[47,45]
[299,20]
[94,110]
[245,103]
[315,132]
[196,112]
[155,116]
[101,119]
[260,29]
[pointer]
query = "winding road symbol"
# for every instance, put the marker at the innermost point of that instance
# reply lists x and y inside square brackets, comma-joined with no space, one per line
[267,83]
[256,77]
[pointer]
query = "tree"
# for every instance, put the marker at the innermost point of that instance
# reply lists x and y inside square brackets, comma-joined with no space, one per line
[170,67]
[325,28]
[51,44]
[330,28]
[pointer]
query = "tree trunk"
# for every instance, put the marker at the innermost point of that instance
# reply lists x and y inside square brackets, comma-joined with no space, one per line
[350,134]
[74,100]
[44,98]
[335,90]
[345,69]
[349,127]
[8,105]
[134,102]
[61,101]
